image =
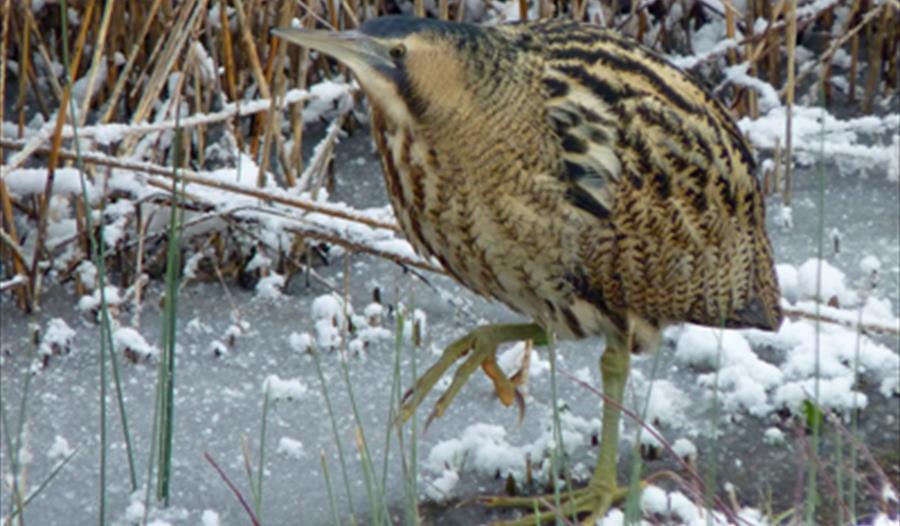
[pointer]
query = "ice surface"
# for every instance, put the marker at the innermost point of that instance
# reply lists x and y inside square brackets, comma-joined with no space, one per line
[232,345]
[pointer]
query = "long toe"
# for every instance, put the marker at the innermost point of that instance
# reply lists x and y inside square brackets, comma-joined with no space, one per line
[585,505]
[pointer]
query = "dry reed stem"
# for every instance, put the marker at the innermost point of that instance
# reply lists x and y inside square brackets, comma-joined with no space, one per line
[129,63]
[322,154]
[753,71]
[227,49]
[731,55]
[789,98]
[183,28]
[42,49]
[229,111]
[352,18]
[4,38]
[17,259]
[199,105]
[857,326]
[18,256]
[295,159]
[250,48]
[24,70]
[52,163]
[99,45]
[875,58]
[191,176]
[5,202]
[279,51]
[839,42]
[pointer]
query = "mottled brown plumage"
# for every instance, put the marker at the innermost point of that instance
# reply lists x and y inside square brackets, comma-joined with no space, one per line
[569,173]
[576,177]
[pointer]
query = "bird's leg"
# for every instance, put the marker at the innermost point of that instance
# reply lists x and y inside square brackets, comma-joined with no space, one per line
[593,501]
[479,347]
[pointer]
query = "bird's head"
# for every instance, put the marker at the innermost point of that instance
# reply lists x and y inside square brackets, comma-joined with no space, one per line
[407,66]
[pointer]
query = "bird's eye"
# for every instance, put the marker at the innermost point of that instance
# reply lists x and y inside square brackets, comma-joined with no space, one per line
[397,52]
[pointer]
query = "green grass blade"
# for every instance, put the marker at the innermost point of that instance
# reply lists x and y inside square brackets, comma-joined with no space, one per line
[257,504]
[43,485]
[712,441]
[557,454]
[633,499]
[17,501]
[413,473]
[332,505]
[98,256]
[167,362]
[394,400]
[334,430]
[811,498]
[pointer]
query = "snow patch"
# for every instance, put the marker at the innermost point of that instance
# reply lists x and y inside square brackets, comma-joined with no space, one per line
[291,448]
[685,449]
[269,287]
[302,342]
[60,449]
[278,389]
[57,338]
[832,287]
[743,379]
[130,342]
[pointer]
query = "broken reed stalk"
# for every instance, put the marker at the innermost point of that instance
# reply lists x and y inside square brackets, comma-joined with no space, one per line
[191,176]
[227,112]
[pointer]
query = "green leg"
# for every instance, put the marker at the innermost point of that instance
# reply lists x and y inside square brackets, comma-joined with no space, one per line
[591,502]
[614,370]
[479,348]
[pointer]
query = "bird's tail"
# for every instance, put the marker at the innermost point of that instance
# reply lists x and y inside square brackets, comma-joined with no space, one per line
[762,310]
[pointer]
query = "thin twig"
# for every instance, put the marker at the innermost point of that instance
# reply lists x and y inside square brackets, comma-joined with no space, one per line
[233,488]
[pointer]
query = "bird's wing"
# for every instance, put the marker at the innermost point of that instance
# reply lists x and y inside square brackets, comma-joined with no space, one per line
[587,138]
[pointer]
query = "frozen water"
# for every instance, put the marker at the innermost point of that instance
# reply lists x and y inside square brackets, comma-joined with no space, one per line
[234,346]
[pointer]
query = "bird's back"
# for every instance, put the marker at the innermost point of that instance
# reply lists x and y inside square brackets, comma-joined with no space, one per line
[683,235]
[584,181]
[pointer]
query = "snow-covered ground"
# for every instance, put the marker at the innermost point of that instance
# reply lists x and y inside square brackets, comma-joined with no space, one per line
[236,345]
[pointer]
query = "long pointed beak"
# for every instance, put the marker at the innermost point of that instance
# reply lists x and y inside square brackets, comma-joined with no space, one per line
[350,47]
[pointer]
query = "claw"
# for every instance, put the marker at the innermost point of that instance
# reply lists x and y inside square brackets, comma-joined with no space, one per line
[482,343]
[505,388]
[414,396]
[590,503]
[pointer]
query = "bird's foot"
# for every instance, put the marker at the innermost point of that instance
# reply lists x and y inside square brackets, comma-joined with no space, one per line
[479,349]
[580,506]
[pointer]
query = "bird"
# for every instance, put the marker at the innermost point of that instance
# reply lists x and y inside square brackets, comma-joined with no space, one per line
[575,176]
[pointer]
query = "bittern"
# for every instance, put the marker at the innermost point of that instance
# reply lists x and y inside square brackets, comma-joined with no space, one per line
[573,175]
